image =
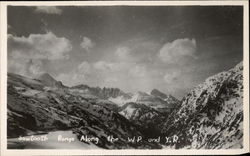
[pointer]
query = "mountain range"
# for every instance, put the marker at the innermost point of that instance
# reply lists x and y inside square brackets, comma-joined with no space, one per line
[210,116]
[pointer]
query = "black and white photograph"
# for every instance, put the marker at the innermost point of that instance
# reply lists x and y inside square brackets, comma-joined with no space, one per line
[117,77]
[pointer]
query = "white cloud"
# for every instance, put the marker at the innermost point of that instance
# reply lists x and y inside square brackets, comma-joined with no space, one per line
[123,62]
[18,67]
[81,71]
[39,46]
[87,43]
[111,80]
[26,67]
[172,76]
[84,67]
[48,10]
[76,76]
[35,67]
[178,50]
[30,52]
[105,66]
[138,71]
[123,53]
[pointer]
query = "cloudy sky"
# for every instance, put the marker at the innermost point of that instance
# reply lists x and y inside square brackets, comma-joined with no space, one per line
[133,48]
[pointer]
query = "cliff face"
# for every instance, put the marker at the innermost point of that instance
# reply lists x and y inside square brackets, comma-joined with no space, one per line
[211,115]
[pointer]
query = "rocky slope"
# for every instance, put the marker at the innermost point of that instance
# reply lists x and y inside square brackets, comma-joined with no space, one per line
[211,115]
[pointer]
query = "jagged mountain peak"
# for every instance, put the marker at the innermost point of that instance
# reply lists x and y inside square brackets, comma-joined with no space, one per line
[132,110]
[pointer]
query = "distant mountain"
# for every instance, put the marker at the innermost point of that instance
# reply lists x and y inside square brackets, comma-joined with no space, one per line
[49,81]
[146,117]
[171,100]
[159,94]
[168,98]
[211,115]
[165,104]
[149,100]
[135,111]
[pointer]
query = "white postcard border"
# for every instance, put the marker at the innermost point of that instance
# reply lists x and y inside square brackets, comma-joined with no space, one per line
[3,79]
